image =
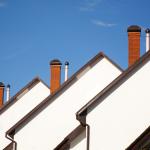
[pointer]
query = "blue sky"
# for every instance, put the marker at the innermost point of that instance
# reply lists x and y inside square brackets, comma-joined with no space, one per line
[33,32]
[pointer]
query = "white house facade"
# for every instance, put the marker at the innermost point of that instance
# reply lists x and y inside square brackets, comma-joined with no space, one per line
[119,114]
[19,105]
[47,125]
[117,117]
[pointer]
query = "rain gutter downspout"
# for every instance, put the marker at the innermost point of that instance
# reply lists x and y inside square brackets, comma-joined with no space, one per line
[88,137]
[12,140]
[82,120]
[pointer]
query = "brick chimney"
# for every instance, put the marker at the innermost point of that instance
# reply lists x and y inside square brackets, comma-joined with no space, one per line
[134,32]
[1,93]
[55,71]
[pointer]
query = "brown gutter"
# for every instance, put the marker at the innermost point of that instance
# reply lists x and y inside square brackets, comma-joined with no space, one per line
[59,91]
[67,140]
[81,114]
[111,87]
[88,137]
[14,143]
[15,98]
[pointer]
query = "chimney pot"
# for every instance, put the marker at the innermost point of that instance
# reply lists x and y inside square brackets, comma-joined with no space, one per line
[66,63]
[66,70]
[8,92]
[134,32]
[147,31]
[55,62]
[8,86]
[134,28]
[55,71]
[2,86]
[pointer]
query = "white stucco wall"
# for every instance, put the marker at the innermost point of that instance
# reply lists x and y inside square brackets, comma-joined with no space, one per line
[19,109]
[124,115]
[56,121]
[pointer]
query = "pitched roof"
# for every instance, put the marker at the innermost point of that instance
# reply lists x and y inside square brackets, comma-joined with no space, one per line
[142,141]
[62,88]
[111,87]
[81,114]
[19,94]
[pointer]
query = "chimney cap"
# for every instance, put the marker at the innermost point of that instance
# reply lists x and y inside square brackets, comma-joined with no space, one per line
[2,84]
[8,85]
[134,28]
[147,30]
[55,62]
[67,63]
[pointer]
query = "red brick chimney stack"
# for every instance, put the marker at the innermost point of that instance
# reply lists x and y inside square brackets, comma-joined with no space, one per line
[2,86]
[55,71]
[134,32]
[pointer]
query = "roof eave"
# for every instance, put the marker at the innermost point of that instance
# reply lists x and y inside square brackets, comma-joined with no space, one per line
[108,89]
[53,96]
[69,138]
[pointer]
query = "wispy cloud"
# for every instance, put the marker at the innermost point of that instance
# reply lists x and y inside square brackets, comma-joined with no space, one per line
[12,56]
[9,57]
[89,5]
[103,24]
[2,3]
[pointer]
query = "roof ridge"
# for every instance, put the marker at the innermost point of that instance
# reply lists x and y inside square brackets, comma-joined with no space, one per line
[101,95]
[13,99]
[65,85]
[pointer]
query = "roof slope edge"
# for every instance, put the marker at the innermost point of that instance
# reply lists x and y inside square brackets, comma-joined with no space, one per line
[14,99]
[62,88]
[111,87]
[69,138]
